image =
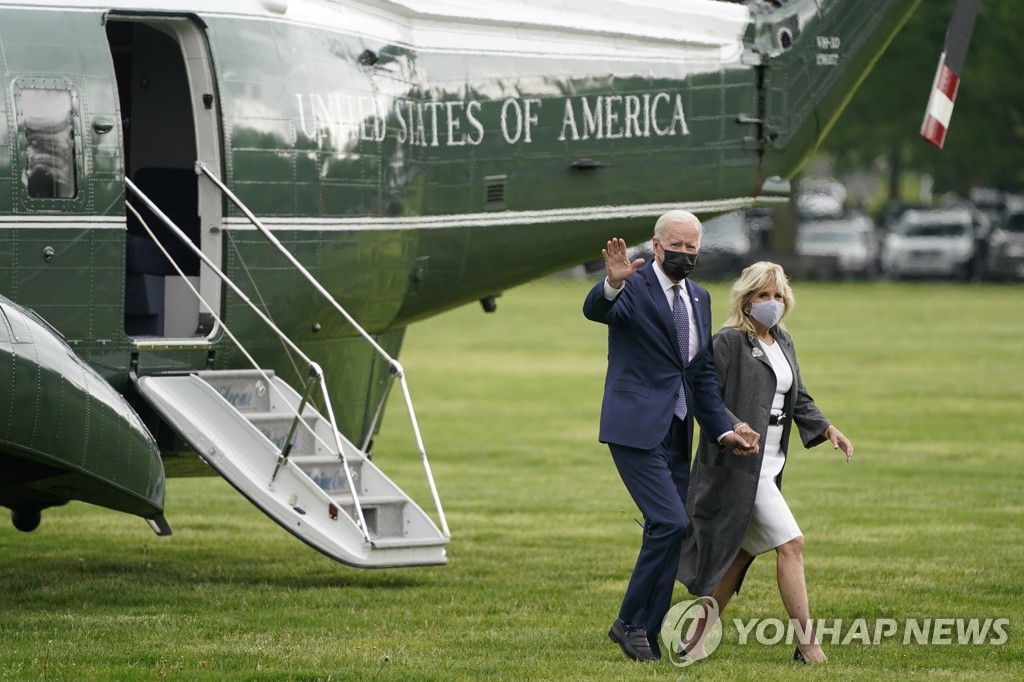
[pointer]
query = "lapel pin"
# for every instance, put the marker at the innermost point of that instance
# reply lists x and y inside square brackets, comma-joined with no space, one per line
[756,353]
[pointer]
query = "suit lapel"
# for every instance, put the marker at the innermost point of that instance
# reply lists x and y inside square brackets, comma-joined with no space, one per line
[698,310]
[781,341]
[758,353]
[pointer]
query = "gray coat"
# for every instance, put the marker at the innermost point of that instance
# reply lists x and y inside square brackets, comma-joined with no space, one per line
[723,485]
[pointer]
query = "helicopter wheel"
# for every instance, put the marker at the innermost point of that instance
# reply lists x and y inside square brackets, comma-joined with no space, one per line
[26,520]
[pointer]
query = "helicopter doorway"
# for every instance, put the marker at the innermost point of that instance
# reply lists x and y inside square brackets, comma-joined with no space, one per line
[169,122]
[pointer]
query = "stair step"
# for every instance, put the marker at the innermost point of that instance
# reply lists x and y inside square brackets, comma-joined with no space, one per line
[246,390]
[367,500]
[328,472]
[324,460]
[384,514]
[276,426]
[280,418]
[232,419]
[394,542]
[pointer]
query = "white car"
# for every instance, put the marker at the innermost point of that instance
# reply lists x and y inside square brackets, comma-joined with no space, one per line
[1006,247]
[930,242]
[850,240]
[724,247]
[820,198]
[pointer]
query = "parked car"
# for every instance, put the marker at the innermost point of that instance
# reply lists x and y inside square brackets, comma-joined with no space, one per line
[991,202]
[930,242]
[759,226]
[893,211]
[724,247]
[851,239]
[1005,258]
[820,198]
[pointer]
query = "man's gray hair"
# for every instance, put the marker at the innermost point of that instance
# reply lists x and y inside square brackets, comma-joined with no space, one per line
[677,216]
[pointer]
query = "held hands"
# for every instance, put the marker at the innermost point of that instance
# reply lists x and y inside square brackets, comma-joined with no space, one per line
[743,441]
[617,263]
[839,441]
[751,436]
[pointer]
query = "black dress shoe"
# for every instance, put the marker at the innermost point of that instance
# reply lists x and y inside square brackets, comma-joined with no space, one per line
[632,640]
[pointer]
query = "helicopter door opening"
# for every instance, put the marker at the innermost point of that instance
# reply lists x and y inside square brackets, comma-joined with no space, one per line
[168,118]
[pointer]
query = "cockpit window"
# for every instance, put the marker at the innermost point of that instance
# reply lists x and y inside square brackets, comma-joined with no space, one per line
[48,123]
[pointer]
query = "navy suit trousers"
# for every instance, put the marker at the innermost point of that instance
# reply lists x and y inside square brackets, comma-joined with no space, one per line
[657,479]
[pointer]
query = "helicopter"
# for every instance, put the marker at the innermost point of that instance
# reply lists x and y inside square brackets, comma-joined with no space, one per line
[218,218]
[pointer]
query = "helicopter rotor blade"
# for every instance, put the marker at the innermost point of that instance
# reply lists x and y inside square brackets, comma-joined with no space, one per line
[947,75]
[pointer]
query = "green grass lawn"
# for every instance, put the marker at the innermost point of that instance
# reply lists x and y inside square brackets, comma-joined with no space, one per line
[926,379]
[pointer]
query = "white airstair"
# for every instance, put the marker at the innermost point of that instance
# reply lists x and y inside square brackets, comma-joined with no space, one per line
[243,423]
[283,455]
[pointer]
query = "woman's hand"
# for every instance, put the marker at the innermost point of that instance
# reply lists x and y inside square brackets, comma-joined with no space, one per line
[839,441]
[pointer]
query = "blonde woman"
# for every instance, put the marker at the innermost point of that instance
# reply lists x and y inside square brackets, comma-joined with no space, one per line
[736,505]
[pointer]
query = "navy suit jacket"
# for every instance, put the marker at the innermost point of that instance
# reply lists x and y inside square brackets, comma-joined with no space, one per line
[645,366]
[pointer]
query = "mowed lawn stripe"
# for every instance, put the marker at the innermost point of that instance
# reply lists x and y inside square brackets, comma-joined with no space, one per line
[926,378]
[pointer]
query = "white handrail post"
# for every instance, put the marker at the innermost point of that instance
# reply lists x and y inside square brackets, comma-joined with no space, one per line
[423,452]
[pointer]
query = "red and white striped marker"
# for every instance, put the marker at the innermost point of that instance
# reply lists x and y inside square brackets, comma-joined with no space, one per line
[947,76]
[940,104]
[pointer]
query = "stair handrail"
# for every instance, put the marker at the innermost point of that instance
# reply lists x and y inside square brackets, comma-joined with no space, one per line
[396,367]
[286,447]
[316,372]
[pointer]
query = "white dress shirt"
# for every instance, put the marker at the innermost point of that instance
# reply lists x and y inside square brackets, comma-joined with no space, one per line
[611,293]
[666,284]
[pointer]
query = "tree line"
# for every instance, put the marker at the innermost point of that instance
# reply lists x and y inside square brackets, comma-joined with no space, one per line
[985,141]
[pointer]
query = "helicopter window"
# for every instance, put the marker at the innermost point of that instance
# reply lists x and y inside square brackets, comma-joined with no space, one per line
[49,143]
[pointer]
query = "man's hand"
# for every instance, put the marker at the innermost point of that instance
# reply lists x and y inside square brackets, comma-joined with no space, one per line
[617,263]
[742,445]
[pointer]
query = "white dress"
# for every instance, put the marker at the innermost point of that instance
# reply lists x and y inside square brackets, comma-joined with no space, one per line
[772,523]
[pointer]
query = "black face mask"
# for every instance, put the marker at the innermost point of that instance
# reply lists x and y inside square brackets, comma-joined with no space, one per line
[677,264]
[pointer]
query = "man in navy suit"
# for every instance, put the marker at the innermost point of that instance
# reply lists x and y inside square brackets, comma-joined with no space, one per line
[661,375]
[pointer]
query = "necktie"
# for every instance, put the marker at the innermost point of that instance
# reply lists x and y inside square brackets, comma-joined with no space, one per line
[682,319]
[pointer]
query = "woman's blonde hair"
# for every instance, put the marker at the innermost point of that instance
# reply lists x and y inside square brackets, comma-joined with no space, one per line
[754,278]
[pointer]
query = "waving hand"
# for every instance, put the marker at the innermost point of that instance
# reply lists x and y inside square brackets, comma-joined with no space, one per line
[617,263]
